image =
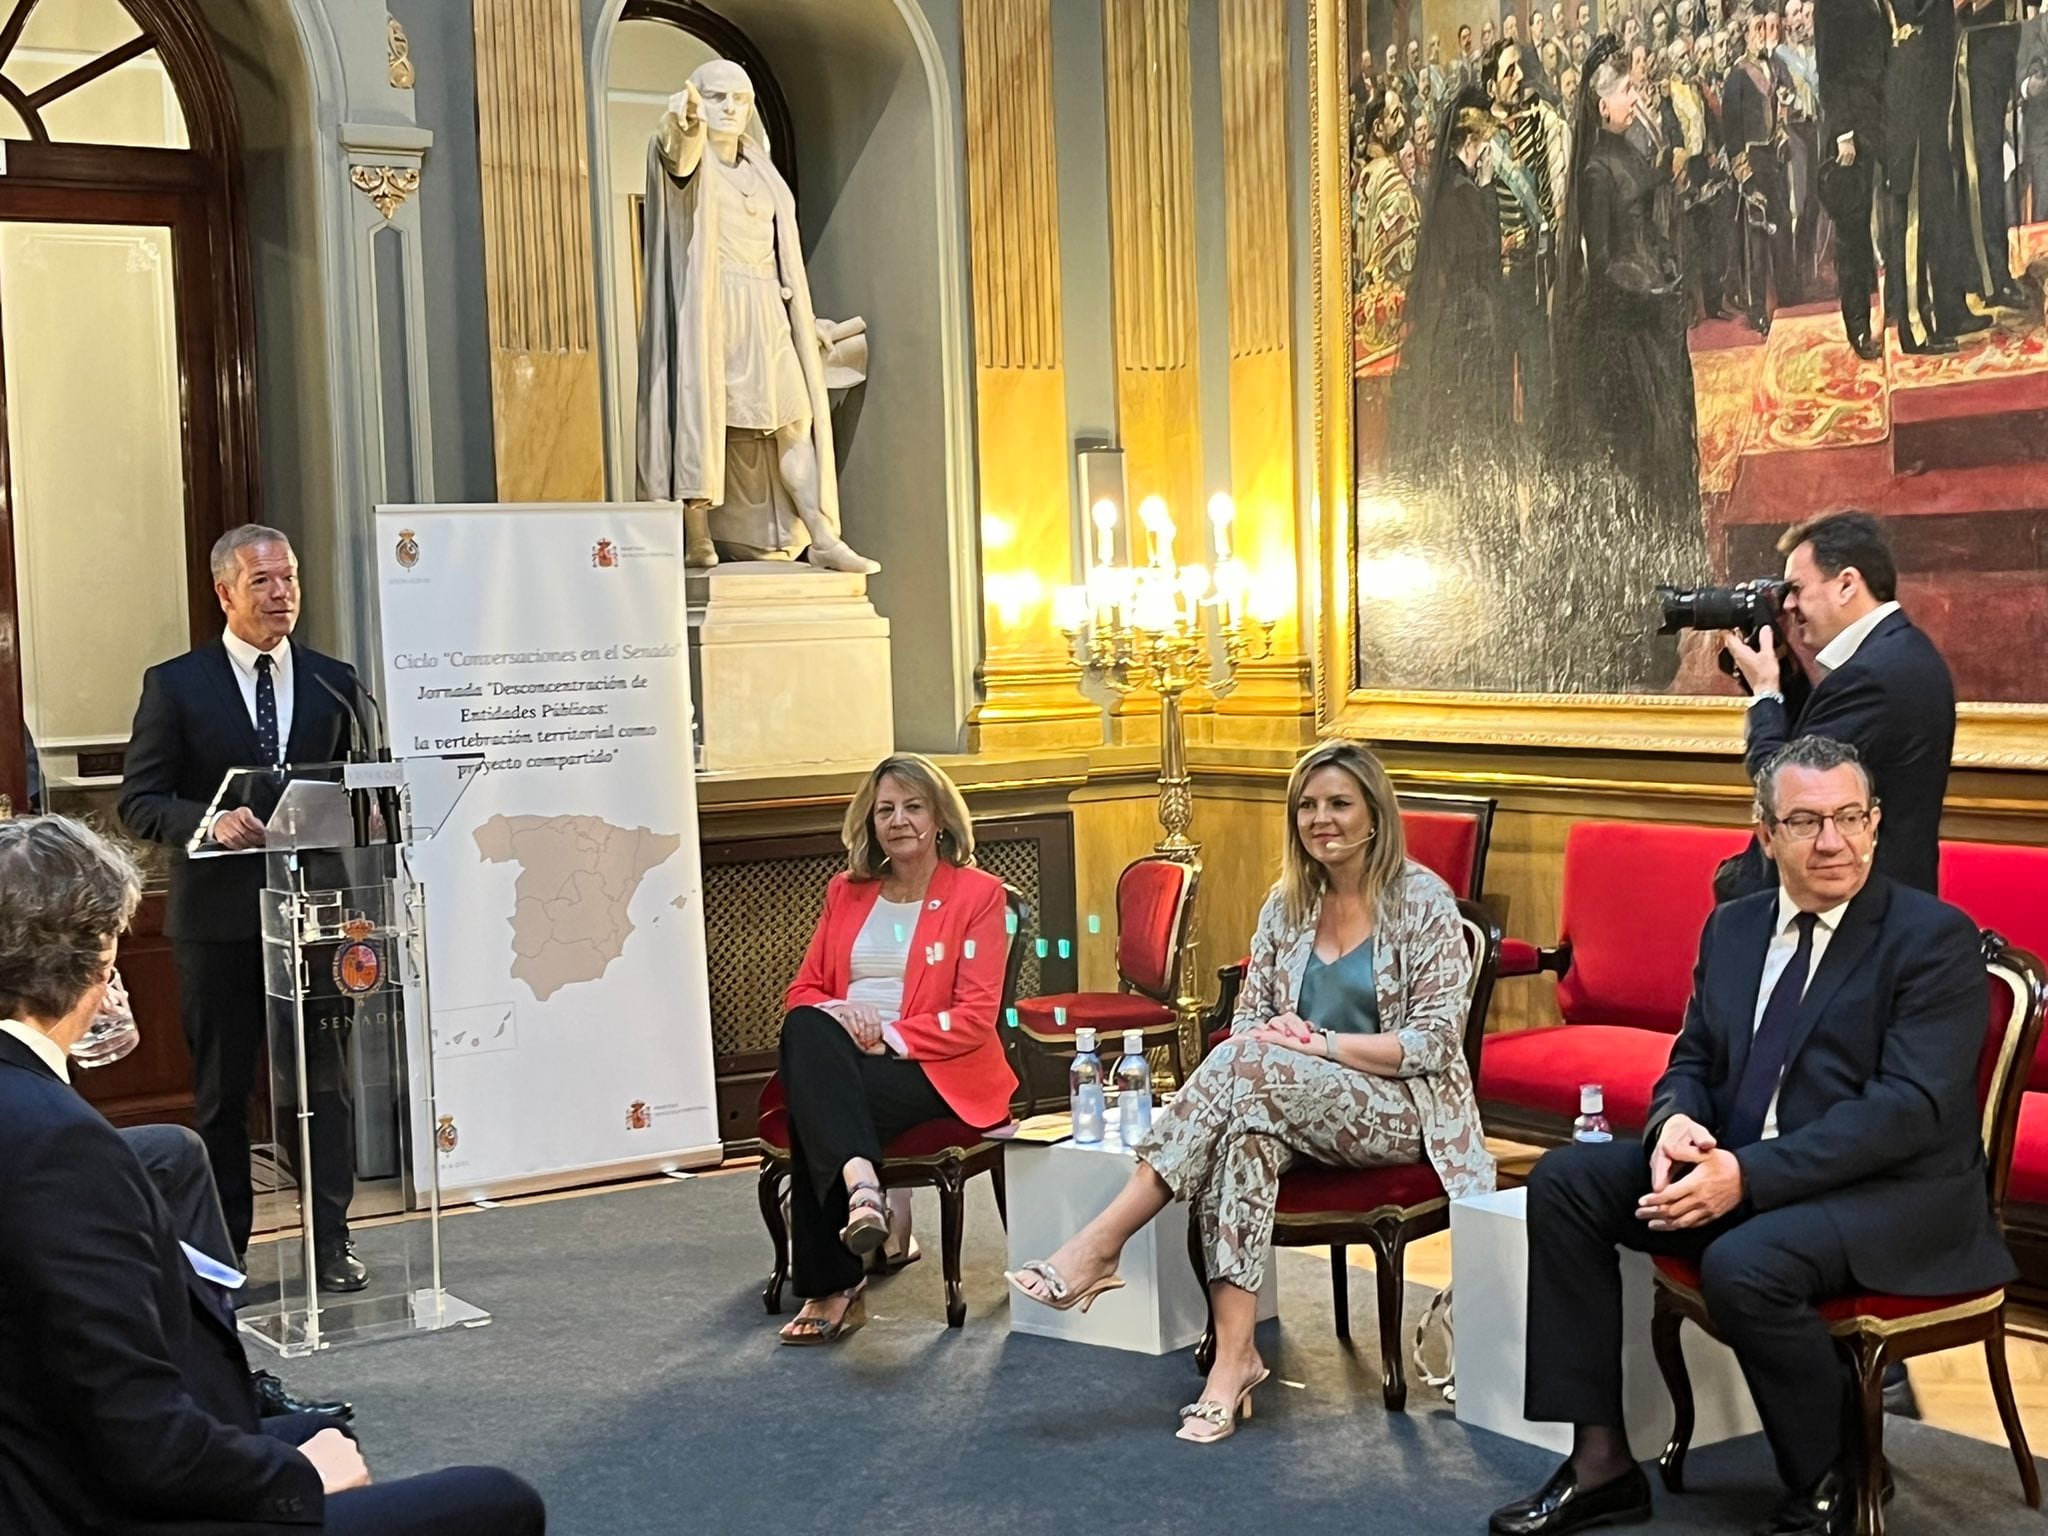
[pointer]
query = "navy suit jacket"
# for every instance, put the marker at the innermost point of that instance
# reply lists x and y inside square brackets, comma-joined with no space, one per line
[190,729]
[125,1399]
[1895,702]
[1878,1127]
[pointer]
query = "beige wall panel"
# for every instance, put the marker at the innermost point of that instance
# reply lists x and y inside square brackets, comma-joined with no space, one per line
[1112,826]
[547,411]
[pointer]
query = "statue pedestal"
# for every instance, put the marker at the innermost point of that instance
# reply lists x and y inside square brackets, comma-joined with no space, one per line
[790,669]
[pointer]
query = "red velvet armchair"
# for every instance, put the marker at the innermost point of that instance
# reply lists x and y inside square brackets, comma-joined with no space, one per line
[1635,898]
[943,1153]
[1155,901]
[1879,1329]
[1384,1208]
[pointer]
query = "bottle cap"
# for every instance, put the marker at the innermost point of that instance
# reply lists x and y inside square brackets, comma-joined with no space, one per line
[1591,1101]
[1134,1042]
[1084,1037]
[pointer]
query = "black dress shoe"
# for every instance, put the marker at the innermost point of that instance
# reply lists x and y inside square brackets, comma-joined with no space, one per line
[1966,325]
[1560,1505]
[2008,296]
[1828,1508]
[1867,347]
[338,1269]
[273,1401]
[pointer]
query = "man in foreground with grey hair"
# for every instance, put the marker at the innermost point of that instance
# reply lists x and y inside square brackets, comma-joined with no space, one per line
[1816,1133]
[251,699]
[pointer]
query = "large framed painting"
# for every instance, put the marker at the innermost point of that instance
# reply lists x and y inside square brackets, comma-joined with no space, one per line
[1602,313]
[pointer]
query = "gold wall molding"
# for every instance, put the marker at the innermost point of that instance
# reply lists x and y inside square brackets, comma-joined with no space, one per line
[1258,223]
[1152,254]
[1029,689]
[399,57]
[546,400]
[388,186]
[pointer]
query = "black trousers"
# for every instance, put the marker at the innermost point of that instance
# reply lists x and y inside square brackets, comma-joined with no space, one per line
[1762,1277]
[842,1105]
[176,1162]
[1526,332]
[220,992]
[1991,57]
[456,1501]
[1846,190]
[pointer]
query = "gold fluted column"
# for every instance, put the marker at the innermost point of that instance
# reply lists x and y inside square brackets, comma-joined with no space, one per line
[1027,519]
[1271,704]
[1152,255]
[547,408]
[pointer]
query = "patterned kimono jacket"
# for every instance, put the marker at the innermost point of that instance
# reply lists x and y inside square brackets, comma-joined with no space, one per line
[1422,972]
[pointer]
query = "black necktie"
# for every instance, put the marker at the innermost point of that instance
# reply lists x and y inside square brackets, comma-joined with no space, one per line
[266,711]
[1773,1041]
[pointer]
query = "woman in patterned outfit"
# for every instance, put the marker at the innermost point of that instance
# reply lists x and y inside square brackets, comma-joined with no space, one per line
[1346,1049]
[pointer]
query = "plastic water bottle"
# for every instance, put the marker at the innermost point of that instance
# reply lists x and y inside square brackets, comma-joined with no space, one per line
[1084,1089]
[1592,1122]
[1133,1089]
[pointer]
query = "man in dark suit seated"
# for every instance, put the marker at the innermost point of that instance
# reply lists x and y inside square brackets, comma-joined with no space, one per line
[1816,1133]
[252,698]
[125,1400]
[1881,686]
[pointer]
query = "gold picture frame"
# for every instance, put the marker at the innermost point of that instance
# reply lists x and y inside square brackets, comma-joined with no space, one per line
[1989,735]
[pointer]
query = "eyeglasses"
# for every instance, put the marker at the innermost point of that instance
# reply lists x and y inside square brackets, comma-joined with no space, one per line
[1804,826]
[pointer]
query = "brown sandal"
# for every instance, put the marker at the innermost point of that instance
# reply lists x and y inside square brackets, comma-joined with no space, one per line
[867,1220]
[815,1330]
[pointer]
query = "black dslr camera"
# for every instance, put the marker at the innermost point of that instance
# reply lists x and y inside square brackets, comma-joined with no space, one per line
[1745,607]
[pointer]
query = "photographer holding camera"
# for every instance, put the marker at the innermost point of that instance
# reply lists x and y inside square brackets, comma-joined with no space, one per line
[1879,684]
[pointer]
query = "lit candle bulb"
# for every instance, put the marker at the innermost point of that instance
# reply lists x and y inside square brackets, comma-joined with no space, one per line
[1159,524]
[1104,514]
[1222,512]
[1070,609]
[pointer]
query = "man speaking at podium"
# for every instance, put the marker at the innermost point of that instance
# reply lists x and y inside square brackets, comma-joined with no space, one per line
[249,699]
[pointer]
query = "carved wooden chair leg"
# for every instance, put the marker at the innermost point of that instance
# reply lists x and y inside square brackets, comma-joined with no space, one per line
[1389,1264]
[1002,1189]
[1869,1356]
[1340,1290]
[769,1189]
[952,1222]
[1205,1349]
[1666,1321]
[2009,1413]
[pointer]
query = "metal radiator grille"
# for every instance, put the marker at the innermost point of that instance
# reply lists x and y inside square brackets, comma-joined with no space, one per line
[758,918]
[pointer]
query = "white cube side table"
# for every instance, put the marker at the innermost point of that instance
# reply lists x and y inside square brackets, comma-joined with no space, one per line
[1490,1268]
[1054,1191]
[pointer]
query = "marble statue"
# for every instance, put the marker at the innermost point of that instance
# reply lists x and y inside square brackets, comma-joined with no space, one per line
[734,419]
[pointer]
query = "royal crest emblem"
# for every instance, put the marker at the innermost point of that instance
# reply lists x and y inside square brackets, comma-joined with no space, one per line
[358,964]
[638,1116]
[408,549]
[605,555]
[445,1135]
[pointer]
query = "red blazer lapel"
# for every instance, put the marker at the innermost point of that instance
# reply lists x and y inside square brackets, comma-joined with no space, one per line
[935,924]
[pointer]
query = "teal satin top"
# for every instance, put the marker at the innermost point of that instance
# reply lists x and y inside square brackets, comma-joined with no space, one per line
[1340,995]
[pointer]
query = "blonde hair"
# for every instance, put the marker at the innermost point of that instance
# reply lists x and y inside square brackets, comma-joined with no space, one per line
[1302,877]
[865,859]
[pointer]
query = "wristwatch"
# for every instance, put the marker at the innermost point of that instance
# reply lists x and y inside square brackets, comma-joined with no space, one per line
[1329,1044]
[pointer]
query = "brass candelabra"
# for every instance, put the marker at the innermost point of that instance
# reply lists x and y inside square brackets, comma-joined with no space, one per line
[1169,627]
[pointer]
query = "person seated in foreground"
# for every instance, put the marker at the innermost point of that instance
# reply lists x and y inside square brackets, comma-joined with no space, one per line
[1346,1048]
[1816,1133]
[891,1022]
[126,1405]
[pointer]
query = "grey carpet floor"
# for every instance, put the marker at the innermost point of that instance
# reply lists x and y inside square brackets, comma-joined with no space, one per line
[631,1374]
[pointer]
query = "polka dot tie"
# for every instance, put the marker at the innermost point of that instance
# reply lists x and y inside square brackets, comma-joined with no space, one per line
[266,711]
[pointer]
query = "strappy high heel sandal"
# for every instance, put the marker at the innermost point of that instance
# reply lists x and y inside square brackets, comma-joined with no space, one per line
[867,1220]
[815,1330]
[1222,1421]
[1058,1294]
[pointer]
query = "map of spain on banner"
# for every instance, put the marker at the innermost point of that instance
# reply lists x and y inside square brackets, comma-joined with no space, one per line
[565,924]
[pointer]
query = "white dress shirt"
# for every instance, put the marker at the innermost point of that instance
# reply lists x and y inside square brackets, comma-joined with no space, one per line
[1784,943]
[243,657]
[1836,653]
[49,1050]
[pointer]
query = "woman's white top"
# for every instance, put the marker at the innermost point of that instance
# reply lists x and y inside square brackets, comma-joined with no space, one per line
[881,950]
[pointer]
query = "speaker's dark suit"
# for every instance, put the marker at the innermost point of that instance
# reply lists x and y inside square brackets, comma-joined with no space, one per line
[1875,1180]
[1895,702]
[190,730]
[125,1400]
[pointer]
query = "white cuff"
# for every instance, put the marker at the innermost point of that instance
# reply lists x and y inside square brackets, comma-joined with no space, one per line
[1758,698]
[894,1040]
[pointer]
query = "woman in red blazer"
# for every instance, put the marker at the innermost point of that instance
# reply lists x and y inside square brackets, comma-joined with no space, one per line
[891,1022]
